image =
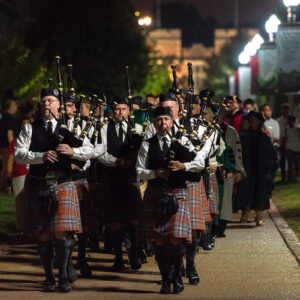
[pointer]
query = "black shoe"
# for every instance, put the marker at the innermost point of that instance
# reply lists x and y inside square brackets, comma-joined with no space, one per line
[49,286]
[166,287]
[177,285]
[118,266]
[206,246]
[193,276]
[135,263]
[64,286]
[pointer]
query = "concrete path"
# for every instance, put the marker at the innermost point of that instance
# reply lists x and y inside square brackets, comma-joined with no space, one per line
[250,263]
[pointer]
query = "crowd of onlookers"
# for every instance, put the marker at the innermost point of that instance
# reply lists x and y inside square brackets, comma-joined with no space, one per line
[284,133]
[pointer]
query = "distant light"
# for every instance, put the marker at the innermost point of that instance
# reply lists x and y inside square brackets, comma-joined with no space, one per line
[141,22]
[244,59]
[144,21]
[289,3]
[137,13]
[257,40]
[272,24]
[147,21]
[250,49]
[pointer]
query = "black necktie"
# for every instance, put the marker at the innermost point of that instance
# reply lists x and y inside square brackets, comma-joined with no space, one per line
[121,132]
[173,130]
[165,147]
[49,128]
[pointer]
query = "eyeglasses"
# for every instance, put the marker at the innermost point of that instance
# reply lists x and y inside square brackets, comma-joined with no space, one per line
[50,101]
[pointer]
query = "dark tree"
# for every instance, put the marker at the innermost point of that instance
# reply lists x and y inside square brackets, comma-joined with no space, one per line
[185,16]
[98,37]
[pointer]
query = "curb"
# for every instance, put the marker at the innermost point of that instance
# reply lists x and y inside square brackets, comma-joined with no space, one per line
[286,232]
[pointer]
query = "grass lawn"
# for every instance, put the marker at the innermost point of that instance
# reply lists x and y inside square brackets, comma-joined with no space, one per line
[7,216]
[287,199]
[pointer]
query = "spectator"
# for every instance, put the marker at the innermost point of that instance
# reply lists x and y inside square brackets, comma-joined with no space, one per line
[292,134]
[8,131]
[234,112]
[16,173]
[260,161]
[249,105]
[271,125]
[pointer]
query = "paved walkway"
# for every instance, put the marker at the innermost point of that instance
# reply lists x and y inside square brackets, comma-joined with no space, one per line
[250,263]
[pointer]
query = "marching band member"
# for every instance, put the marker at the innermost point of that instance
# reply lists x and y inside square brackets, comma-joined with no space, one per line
[54,206]
[166,180]
[120,193]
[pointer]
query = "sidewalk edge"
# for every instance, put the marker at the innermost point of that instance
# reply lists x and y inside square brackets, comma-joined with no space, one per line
[286,232]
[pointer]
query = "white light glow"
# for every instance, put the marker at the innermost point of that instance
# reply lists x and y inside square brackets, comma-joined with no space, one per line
[272,24]
[244,58]
[141,22]
[147,21]
[250,49]
[289,3]
[257,40]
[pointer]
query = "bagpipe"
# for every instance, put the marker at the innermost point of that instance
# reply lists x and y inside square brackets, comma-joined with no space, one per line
[135,138]
[64,136]
[185,115]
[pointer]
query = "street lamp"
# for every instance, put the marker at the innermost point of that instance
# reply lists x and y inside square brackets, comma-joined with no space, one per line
[244,58]
[291,9]
[272,26]
[145,21]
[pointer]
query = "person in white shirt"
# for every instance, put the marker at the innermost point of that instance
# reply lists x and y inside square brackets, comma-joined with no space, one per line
[271,124]
[121,198]
[54,207]
[166,175]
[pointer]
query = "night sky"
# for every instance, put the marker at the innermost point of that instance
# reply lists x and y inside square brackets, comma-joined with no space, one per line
[252,12]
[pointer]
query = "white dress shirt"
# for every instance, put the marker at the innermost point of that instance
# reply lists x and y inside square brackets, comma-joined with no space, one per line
[142,160]
[24,156]
[106,158]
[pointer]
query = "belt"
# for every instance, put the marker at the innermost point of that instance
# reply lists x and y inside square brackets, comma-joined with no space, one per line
[48,181]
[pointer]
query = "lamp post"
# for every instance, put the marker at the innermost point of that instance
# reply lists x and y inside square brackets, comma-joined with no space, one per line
[146,21]
[272,26]
[291,9]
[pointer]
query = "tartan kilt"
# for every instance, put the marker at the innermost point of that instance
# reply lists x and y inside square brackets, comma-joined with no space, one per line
[66,215]
[153,226]
[120,201]
[194,195]
[204,202]
[86,203]
[213,199]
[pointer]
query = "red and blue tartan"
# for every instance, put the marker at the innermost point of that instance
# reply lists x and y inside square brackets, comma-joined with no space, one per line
[66,217]
[194,198]
[154,226]
[213,199]
[86,203]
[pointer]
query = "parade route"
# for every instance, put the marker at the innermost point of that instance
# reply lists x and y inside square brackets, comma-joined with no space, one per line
[250,263]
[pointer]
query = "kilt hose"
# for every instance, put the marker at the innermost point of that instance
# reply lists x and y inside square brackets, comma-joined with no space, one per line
[86,203]
[195,195]
[152,225]
[120,201]
[213,199]
[65,216]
